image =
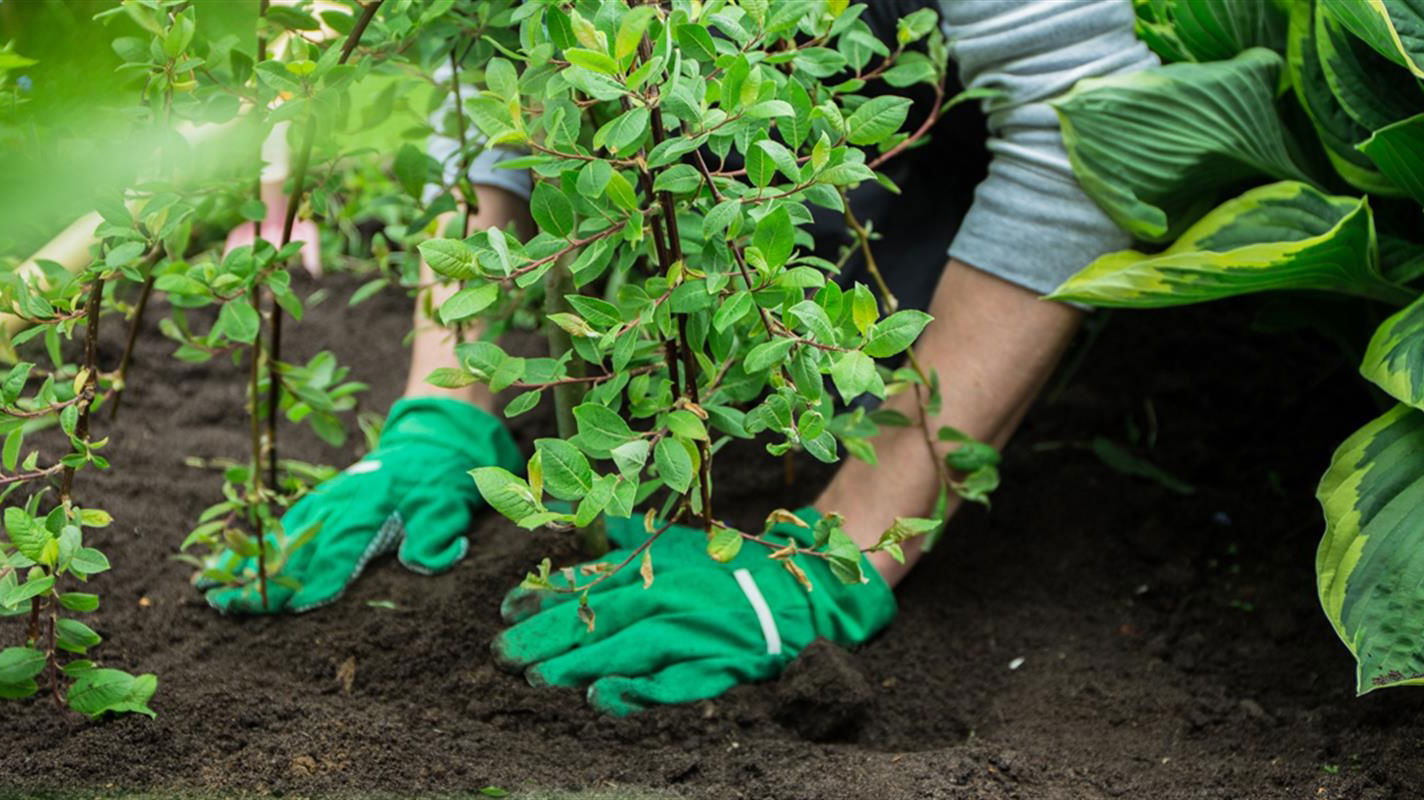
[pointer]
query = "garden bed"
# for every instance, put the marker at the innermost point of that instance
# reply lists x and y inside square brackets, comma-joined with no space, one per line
[1095,635]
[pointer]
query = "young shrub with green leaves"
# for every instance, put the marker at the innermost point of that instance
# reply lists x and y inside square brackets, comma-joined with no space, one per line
[676,150]
[1154,149]
[44,558]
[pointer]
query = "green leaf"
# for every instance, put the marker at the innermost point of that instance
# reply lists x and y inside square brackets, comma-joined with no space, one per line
[599,313]
[1336,129]
[1394,28]
[1215,31]
[877,119]
[523,403]
[78,601]
[687,425]
[854,374]
[89,561]
[1394,360]
[601,427]
[813,318]
[673,463]
[126,253]
[770,109]
[506,492]
[592,178]
[1373,91]
[818,62]
[34,587]
[25,688]
[412,168]
[895,333]
[730,311]
[696,42]
[75,636]
[761,170]
[630,31]
[27,534]
[450,378]
[724,545]
[449,257]
[845,174]
[767,354]
[630,457]
[239,321]
[678,179]
[915,26]
[775,237]
[978,484]
[591,60]
[98,691]
[1152,146]
[1373,499]
[1119,460]
[620,191]
[20,664]
[1398,151]
[1282,236]
[567,474]
[783,158]
[468,302]
[623,133]
[552,211]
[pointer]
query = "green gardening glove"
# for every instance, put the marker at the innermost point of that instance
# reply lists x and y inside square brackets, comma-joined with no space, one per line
[701,628]
[412,495]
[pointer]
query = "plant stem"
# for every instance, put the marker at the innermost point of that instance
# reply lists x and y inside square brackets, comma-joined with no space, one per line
[672,255]
[52,654]
[255,430]
[289,220]
[91,365]
[593,538]
[468,197]
[129,344]
[925,385]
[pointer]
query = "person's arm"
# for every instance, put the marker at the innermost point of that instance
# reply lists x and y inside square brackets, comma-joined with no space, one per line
[434,345]
[1031,226]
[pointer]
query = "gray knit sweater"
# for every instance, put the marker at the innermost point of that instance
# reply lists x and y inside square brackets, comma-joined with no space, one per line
[1030,222]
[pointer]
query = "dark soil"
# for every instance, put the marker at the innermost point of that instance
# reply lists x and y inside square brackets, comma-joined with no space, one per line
[1095,635]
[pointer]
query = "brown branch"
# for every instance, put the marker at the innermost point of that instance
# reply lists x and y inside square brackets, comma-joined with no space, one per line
[573,245]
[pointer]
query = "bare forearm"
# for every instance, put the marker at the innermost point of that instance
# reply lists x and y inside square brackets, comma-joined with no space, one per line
[433,346]
[994,344]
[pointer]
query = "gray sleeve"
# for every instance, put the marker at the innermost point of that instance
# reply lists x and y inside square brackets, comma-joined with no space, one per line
[1030,222]
[483,167]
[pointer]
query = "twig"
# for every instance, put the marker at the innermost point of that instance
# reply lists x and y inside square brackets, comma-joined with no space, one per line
[863,236]
[127,357]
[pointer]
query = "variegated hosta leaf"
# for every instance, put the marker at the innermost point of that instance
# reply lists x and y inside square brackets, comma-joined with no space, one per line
[1286,235]
[1338,131]
[1152,147]
[1192,30]
[1374,91]
[1370,561]
[1398,151]
[1394,28]
[1395,357]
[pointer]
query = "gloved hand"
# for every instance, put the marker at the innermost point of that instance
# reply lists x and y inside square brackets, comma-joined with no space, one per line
[412,495]
[701,628]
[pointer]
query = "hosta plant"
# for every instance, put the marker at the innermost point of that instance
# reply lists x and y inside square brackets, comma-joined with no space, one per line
[1318,102]
[676,149]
